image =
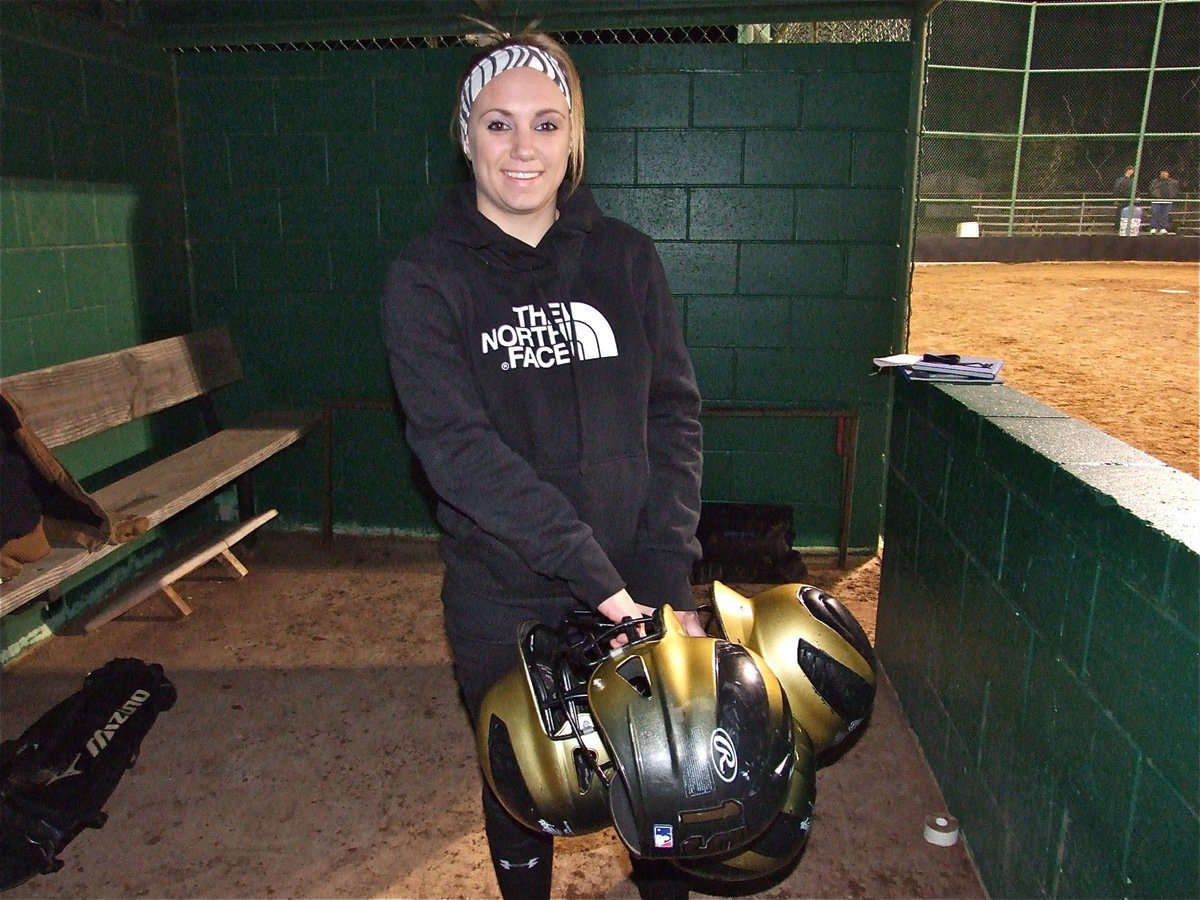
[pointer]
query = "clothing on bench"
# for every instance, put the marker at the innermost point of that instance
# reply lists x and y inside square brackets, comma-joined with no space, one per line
[43,502]
[66,403]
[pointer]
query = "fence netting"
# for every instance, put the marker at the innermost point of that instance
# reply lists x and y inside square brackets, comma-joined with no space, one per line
[1034,110]
[844,32]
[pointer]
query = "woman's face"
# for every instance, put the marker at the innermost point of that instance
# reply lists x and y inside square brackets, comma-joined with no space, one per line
[519,136]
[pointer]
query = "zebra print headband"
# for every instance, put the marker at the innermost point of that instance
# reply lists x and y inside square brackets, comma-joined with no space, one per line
[501,60]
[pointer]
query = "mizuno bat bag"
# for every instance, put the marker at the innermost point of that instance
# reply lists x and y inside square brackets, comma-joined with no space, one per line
[56,777]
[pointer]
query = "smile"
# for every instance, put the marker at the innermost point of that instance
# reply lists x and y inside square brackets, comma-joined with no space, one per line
[523,176]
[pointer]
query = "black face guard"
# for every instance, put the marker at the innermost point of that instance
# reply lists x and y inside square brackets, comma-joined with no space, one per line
[559,662]
[587,636]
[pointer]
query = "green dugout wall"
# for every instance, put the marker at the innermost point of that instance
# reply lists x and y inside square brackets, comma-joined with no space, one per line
[771,177]
[1039,616]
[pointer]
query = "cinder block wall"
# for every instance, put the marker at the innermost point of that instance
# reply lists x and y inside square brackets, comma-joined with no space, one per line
[274,192]
[1039,617]
[92,254]
[772,177]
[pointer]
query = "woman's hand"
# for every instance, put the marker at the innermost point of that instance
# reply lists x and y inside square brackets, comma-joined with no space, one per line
[690,620]
[621,604]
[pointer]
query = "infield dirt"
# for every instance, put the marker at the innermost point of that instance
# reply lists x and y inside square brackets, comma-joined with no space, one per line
[1112,344]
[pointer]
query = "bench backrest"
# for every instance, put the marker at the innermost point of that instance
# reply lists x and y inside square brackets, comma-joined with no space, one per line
[74,400]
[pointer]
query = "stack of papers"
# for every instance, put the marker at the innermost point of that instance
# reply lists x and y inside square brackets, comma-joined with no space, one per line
[945,367]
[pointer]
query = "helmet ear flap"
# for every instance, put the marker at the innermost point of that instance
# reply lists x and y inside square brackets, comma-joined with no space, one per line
[504,769]
[734,613]
[624,820]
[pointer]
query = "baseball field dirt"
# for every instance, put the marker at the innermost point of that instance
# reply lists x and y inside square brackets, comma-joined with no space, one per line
[318,750]
[1111,343]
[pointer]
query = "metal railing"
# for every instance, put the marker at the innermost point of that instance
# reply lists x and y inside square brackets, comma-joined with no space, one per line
[1085,215]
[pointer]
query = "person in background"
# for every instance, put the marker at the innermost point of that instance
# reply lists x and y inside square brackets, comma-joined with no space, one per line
[549,396]
[1123,193]
[1163,191]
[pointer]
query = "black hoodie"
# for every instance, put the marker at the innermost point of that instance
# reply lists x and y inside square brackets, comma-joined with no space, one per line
[563,468]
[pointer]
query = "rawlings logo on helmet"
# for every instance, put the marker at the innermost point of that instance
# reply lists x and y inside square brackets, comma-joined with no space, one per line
[780,845]
[724,755]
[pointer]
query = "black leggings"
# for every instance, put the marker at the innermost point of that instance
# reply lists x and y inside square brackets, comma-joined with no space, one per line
[523,859]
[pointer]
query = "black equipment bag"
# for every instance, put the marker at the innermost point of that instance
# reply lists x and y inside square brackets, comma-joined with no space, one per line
[56,777]
[747,542]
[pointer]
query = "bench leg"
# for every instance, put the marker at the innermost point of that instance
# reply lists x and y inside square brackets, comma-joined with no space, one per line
[161,580]
[176,600]
[232,564]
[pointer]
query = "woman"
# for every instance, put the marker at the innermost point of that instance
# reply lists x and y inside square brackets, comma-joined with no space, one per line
[549,397]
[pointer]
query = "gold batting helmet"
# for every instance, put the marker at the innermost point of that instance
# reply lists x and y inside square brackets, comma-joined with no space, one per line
[538,747]
[820,652]
[701,736]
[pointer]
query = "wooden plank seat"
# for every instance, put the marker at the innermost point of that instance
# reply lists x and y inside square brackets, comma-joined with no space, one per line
[68,402]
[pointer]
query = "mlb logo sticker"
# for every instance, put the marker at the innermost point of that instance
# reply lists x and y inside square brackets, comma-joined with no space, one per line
[663,837]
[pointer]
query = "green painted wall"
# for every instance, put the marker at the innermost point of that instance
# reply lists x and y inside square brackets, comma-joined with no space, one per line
[1040,620]
[91,205]
[772,177]
[92,252]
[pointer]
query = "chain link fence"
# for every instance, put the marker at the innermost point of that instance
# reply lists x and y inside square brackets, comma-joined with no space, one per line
[855,31]
[1034,110]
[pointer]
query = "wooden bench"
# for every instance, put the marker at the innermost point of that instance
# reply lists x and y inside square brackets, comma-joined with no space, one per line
[68,402]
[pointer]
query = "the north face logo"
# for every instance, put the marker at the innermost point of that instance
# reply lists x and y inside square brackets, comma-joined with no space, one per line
[553,335]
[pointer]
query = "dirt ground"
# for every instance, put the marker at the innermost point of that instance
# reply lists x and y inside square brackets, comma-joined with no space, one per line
[1112,344]
[318,749]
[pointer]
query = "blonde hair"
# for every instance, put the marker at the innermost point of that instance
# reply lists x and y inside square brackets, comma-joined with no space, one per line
[575,153]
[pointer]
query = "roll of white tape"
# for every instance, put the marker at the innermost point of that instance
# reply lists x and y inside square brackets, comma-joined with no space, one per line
[941,830]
